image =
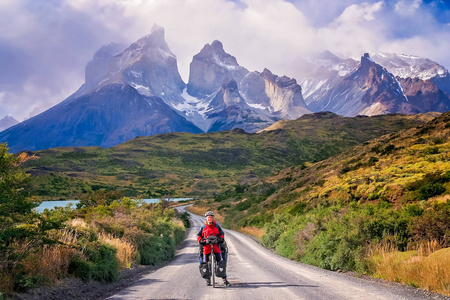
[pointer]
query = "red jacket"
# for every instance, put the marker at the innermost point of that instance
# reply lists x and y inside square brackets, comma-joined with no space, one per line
[207,230]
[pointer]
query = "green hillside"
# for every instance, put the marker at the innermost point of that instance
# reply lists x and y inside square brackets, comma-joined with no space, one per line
[203,165]
[390,193]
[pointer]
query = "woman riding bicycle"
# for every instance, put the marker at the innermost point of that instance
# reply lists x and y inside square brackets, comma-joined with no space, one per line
[211,228]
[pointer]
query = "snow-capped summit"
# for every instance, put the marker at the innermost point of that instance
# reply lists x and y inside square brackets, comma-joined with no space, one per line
[150,67]
[324,69]
[411,66]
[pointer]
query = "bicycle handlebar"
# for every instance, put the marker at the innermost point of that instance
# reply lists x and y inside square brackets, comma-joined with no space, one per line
[212,240]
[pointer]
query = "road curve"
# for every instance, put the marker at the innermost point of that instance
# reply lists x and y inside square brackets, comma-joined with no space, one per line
[257,273]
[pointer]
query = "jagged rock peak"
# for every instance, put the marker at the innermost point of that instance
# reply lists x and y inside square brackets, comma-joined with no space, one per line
[366,60]
[157,29]
[268,75]
[153,40]
[216,54]
[210,67]
[405,66]
[282,81]
[217,46]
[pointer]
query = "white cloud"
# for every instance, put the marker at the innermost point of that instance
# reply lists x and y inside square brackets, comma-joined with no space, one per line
[404,7]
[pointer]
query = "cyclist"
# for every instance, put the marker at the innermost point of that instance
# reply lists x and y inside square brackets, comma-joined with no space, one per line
[211,228]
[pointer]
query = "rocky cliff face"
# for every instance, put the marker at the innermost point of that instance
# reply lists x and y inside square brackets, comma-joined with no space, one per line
[150,67]
[97,68]
[216,79]
[210,68]
[280,96]
[382,92]
[425,95]
[228,110]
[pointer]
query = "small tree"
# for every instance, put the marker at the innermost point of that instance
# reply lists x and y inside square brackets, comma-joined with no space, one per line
[165,202]
[15,204]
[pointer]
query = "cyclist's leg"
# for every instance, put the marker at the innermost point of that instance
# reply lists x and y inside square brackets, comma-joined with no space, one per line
[206,252]
[217,253]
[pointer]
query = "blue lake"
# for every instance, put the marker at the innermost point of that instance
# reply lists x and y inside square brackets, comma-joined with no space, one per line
[64,203]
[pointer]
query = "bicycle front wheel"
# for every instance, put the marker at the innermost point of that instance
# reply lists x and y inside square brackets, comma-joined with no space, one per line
[213,269]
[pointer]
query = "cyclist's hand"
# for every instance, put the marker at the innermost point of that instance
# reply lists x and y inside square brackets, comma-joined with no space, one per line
[202,242]
[220,240]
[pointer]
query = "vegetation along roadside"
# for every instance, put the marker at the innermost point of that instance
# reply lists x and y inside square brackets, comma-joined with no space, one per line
[106,234]
[351,211]
[381,208]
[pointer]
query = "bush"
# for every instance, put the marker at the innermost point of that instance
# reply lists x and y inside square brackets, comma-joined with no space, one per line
[430,189]
[432,184]
[186,219]
[433,224]
[100,263]
[273,232]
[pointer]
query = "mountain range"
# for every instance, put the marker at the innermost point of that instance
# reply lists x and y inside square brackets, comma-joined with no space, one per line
[138,91]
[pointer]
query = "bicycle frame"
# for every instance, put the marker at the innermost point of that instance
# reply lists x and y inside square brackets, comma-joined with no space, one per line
[212,240]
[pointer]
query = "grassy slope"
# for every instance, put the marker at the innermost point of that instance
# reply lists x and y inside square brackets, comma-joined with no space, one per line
[204,164]
[391,192]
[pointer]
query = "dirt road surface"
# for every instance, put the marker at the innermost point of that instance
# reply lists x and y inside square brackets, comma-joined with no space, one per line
[257,273]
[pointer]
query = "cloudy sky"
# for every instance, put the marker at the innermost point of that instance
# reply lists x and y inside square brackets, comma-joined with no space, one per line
[46,44]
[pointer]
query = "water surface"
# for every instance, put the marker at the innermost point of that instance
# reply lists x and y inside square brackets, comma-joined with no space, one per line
[73,203]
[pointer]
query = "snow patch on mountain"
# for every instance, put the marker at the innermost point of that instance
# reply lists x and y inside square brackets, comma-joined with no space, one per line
[194,110]
[405,66]
[142,89]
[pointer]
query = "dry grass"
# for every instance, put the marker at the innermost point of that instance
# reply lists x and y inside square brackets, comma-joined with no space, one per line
[253,231]
[51,262]
[126,252]
[6,279]
[77,223]
[66,236]
[6,283]
[428,267]
[197,209]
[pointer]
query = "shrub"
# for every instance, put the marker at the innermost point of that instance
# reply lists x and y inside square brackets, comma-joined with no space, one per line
[431,189]
[186,219]
[126,252]
[433,224]
[98,263]
[273,232]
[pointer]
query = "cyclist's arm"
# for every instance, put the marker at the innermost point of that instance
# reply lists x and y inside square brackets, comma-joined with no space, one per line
[221,232]
[200,234]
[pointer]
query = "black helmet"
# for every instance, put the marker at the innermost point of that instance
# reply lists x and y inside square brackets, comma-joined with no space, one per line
[209,213]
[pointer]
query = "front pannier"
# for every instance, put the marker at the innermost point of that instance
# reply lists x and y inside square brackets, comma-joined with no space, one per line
[221,269]
[204,270]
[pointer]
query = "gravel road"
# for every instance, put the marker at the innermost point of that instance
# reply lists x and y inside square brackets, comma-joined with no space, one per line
[257,273]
